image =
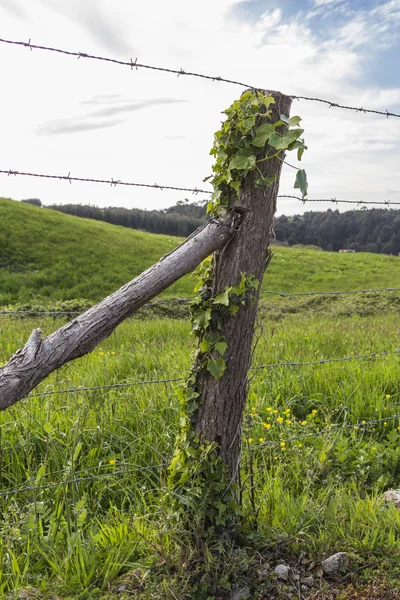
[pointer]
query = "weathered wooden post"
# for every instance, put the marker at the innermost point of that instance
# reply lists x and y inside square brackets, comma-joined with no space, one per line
[249,151]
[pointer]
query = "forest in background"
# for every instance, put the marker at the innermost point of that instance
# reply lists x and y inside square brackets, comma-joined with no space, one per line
[373,230]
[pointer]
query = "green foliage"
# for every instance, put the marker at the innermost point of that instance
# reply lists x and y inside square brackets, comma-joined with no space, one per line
[317,499]
[239,148]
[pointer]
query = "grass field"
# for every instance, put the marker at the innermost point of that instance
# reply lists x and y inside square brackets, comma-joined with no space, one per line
[46,257]
[83,473]
[316,494]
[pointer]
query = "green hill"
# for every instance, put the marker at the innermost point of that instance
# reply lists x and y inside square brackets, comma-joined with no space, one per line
[47,256]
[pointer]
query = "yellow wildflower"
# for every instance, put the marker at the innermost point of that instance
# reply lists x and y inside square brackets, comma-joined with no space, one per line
[249,440]
[275,411]
[269,409]
[112,461]
[314,412]
[261,440]
[279,419]
[387,396]
[299,445]
[385,424]
[288,421]
[267,425]
[303,423]
[283,444]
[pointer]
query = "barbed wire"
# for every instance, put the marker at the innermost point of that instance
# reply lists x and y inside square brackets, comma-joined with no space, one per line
[181,72]
[338,293]
[69,312]
[376,354]
[324,361]
[104,387]
[181,301]
[32,488]
[333,429]
[114,182]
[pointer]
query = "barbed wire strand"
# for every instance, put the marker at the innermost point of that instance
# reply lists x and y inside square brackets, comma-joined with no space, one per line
[376,354]
[135,65]
[357,425]
[71,312]
[114,182]
[181,301]
[80,479]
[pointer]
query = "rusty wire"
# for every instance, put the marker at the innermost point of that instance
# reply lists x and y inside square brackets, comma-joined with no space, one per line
[134,65]
[114,182]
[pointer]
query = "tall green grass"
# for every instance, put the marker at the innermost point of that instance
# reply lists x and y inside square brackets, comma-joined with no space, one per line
[110,447]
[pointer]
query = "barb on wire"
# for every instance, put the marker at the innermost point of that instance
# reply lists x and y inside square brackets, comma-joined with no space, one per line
[115,182]
[31,488]
[180,72]
[333,429]
[177,379]
[339,293]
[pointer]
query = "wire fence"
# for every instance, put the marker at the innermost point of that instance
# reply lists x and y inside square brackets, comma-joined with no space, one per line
[184,300]
[127,384]
[135,65]
[115,182]
[283,440]
[361,425]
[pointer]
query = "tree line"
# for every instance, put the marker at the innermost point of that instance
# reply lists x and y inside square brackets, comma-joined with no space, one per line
[181,219]
[374,230]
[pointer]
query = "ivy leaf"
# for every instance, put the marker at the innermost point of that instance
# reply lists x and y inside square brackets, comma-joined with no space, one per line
[281,142]
[300,152]
[222,298]
[216,367]
[264,182]
[262,134]
[241,162]
[221,347]
[205,346]
[294,121]
[301,182]
[201,319]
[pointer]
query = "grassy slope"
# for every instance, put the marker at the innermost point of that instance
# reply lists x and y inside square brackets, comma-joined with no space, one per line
[46,255]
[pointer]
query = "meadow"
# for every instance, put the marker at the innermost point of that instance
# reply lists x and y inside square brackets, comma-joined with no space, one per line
[83,459]
[83,473]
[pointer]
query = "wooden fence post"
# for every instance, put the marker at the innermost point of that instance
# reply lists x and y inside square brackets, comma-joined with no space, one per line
[221,402]
[214,398]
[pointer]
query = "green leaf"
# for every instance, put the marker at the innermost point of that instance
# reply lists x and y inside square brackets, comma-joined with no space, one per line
[262,134]
[222,298]
[205,346]
[281,142]
[294,121]
[284,119]
[264,182]
[243,162]
[301,182]
[221,347]
[201,319]
[216,367]
[300,152]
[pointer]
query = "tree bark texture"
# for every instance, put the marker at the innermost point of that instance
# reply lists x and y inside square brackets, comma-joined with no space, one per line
[39,357]
[222,400]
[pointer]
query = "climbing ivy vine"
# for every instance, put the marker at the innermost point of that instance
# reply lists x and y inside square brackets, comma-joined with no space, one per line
[199,497]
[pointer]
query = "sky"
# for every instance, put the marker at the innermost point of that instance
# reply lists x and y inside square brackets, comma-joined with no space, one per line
[99,120]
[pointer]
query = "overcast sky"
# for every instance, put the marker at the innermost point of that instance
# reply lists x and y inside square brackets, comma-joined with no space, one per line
[93,119]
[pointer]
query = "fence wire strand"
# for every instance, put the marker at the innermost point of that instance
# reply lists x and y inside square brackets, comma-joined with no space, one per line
[323,361]
[114,182]
[135,65]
